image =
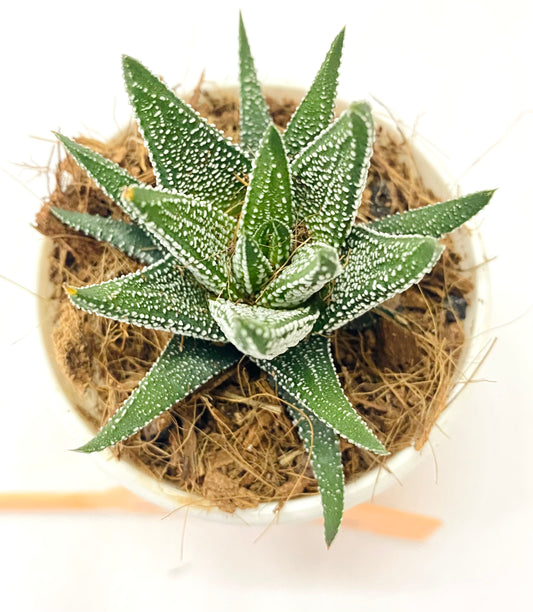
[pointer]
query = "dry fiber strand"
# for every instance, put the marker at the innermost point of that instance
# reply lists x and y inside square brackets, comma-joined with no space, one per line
[231,442]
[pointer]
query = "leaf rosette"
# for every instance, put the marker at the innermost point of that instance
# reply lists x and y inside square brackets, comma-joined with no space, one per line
[253,250]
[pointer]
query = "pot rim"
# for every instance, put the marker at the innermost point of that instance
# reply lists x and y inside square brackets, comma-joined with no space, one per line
[468,241]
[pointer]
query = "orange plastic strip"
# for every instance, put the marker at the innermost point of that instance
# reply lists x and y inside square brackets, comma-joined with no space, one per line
[366,517]
[390,522]
[110,499]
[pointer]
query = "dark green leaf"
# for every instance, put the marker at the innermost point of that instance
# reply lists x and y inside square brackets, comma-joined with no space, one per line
[316,109]
[311,267]
[196,233]
[379,266]
[162,296]
[126,237]
[251,269]
[255,116]
[307,373]
[189,155]
[269,196]
[184,365]
[435,220]
[274,238]
[110,177]
[329,176]
[262,332]
[322,444]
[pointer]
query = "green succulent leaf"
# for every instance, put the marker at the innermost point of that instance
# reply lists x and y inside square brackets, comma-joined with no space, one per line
[329,176]
[311,267]
[269,198]
[110,177]
[261,332]
[322,444]
[196,233]
[307,373]
[255,116]
[184,365]
[379,266]
[316,109]
[189,155]
[274,238]
[435,220]
[128,238]
[251,269]
[162,296]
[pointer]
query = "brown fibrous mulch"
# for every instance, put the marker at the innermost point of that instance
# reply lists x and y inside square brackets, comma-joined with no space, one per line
[231,441]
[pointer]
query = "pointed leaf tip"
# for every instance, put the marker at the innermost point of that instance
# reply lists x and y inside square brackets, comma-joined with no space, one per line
[128,238]
[188,155]
[254,112]
[307,373]
[268,201]
[161,296]
[181,369]
[434,220]
[322,443]
[329,175]
[316,109]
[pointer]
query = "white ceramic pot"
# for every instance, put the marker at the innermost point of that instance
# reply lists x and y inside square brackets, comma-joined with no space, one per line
[468,243]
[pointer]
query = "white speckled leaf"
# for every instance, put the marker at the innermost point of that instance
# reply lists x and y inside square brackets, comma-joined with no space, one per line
[274,238]
[196,233]
[316,109]
[251,269]
[311,267]
[254,113]
[435,220]
[268,198]
[329,176]
[262,332]
[126,237]
[184,365]
[110,177]
[189,155]
[162,296]
[307,373]
[379,266]
[322,444]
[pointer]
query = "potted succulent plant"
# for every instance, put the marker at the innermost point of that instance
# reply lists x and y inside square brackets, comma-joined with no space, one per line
[252,251]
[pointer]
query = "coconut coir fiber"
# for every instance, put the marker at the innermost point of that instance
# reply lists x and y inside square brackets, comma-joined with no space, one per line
[230,441]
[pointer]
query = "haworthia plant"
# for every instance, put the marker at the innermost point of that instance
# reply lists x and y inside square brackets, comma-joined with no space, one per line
[221,233]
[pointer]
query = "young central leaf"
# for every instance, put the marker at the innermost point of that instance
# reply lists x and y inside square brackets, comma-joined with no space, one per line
[251,269]
[196,233]
[189,155]
[268,203]
[311,267]
[261,332]
[329,176]
[162,296]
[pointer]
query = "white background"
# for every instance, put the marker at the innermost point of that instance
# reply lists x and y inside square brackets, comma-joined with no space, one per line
[461,70]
